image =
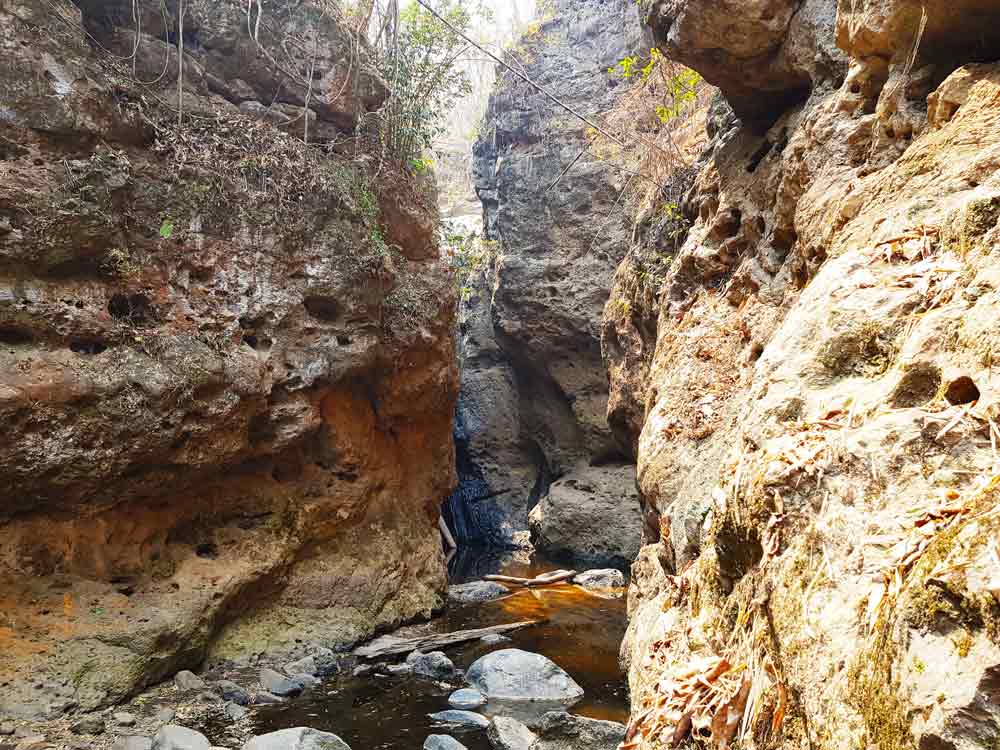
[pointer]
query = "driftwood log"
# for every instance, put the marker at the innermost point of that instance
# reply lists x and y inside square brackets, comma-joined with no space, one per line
[391,645]
[556,576]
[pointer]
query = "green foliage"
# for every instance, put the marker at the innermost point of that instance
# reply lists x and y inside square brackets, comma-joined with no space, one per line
[167,229]
[682,94]
[424,67]
[470,256]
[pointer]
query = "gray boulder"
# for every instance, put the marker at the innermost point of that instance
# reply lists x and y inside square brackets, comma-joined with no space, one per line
[235,711]
[590,515]
[442,742]
[185,680]
[173,737]
[306,665]
[466,698]
[266,699]
[515,675]
[477,591]
[6,730]
[559,730]
[277,684]
[299,738]
[435,664]
[133,742]
[505,733]
[305,680]
[604,578]
[232,692]
[462,718]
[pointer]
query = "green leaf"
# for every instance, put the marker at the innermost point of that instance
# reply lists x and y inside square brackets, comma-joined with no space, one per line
[167,229]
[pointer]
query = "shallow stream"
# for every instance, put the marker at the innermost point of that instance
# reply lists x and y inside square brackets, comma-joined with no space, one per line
[581,632]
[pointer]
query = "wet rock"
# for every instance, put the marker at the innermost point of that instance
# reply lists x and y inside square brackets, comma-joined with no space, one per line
[277,684]
[173,737]
[363,670]
[608,578]
[515,675]
[306,680]
[466,698]
[591,515]
[562,731]
[266,699]
[461,718]
[477,591]
[235,711]
[506,733]
[435,664]
[124,719]
[232,692]
[442,742]
[494,638]
[88,725]
[299,738]
[186,680]
[133,742]
[306,665]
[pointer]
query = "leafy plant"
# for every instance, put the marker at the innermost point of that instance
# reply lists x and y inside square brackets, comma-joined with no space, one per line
[167,229]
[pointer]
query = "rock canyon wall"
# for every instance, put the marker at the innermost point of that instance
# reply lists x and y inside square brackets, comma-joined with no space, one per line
[534,387]
[227,369]
[812,393]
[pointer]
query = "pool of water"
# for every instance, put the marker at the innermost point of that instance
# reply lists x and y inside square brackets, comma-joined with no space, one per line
[581,632]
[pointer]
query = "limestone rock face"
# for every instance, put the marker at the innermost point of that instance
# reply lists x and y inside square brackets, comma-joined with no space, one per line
[534,390]
[814,453]
[227,408]
[590,516]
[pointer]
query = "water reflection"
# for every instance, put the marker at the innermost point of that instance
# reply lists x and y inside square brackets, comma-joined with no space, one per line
[579,631]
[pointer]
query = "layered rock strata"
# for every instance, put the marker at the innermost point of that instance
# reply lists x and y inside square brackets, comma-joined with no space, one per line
[227,371]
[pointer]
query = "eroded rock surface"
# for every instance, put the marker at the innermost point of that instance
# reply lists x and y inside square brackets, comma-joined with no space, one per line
[534,387]
[226,364]
[814,443]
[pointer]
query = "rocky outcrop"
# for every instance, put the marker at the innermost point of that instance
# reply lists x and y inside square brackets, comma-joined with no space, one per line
[226,365]
[816,419]
[534,389]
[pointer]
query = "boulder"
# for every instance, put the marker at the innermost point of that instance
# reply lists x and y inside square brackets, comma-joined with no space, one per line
[462,718]
[466,698]
[277,684]
[559,730]
[173,737]
[232,692]
[477,591]
[306,665]
[185,680]
[235,711]
[435,664]
[515,675]
[133,742]
[266,699]
[605,578]
[591,515]
[6,730]
[305,680]
[299,738]
[506,733]
[442,742]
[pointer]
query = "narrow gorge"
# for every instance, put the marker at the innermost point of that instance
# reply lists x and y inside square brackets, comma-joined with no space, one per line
[691,442]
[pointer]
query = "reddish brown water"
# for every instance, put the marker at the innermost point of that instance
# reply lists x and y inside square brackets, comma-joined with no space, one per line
[581,632]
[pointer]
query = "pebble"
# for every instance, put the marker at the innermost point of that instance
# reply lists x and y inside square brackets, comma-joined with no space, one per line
[277,684]
[466,698]
[465,718]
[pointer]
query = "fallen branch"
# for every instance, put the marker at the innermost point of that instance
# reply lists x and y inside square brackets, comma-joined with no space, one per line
[555,576]
[391,645]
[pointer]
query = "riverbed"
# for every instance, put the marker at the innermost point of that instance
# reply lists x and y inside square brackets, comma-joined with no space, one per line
[581,633]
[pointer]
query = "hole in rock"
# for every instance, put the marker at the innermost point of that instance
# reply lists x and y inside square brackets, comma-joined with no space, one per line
[855,88]
[134,308]
[962,391]
[918,385]
[12,335]
[207,550]
[81,346]
[758,156]
[322,308]
[251,341]
[344,340]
